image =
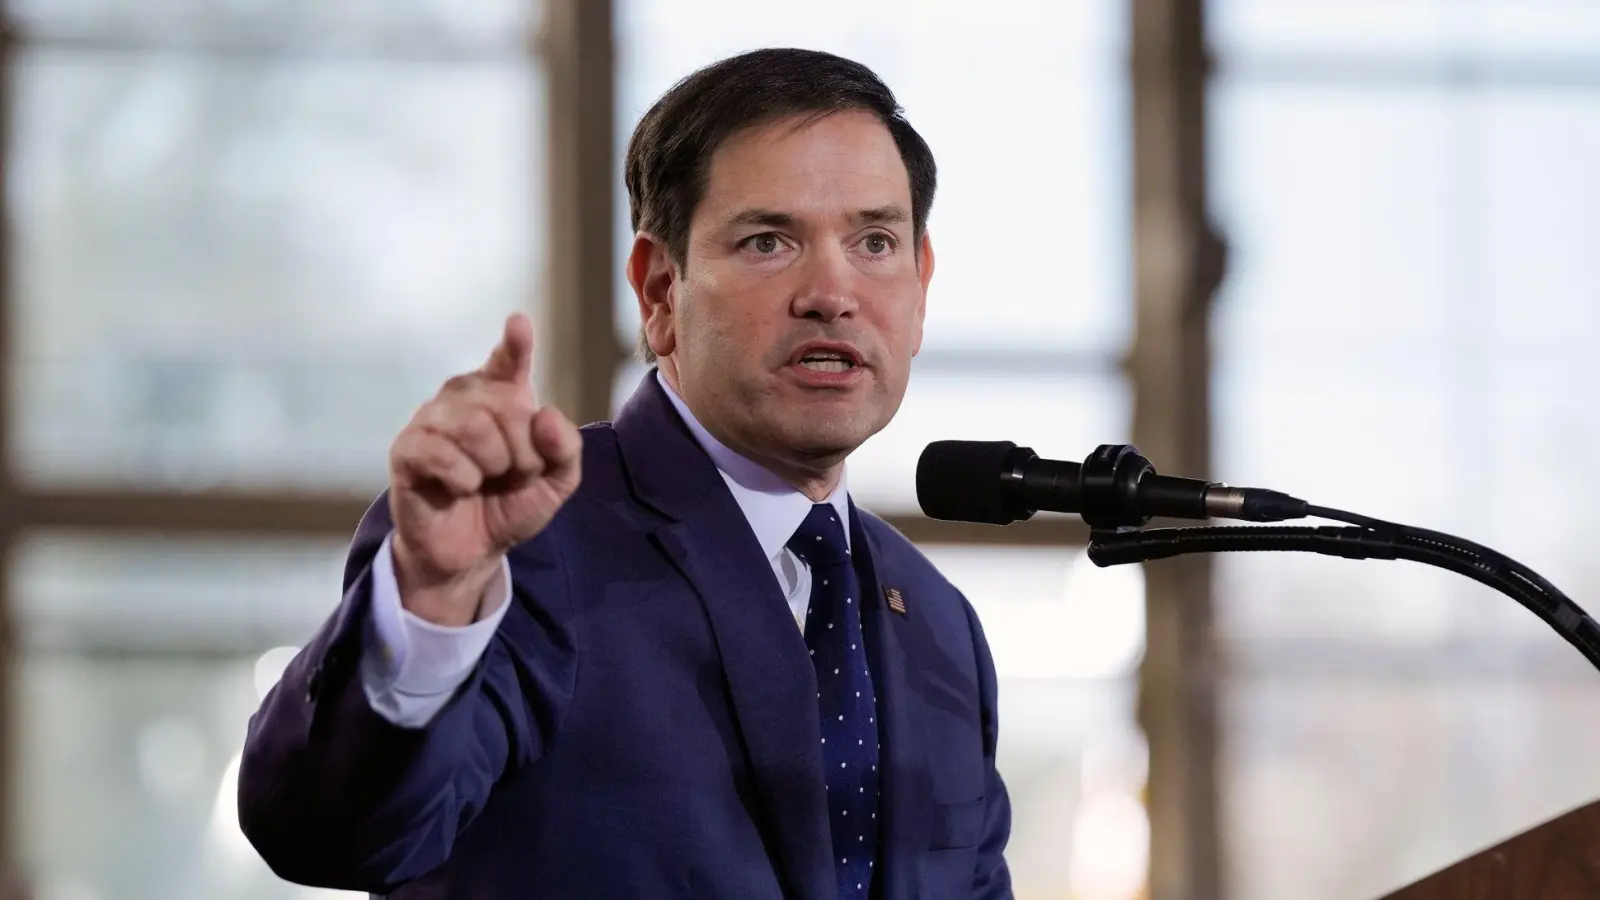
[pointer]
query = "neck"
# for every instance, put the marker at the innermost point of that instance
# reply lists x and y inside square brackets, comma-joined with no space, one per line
[816,485]
[815,479]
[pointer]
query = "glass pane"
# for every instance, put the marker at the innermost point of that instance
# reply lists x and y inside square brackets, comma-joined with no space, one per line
[1024,106]
[1377,169]
[1412,27]
[1385,781]
[1060,417]
[1532,179]
[156,595]
[251,272]
[1541,443]
[1333,425]
[1413,349]
[1408,333]
[127,772]
[1050,614]
[1529,31]
[142,662]
[485,23]
[1066,638]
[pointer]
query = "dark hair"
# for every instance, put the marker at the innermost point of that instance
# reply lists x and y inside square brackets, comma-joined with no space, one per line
[670,151]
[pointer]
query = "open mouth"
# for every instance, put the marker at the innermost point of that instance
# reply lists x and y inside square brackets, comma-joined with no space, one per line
[831,359]
[827,363]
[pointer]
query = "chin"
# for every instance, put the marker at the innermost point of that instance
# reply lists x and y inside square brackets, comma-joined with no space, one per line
[819,437]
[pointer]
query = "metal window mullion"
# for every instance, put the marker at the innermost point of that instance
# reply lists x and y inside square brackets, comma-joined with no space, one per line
[578,352]
[1177,264]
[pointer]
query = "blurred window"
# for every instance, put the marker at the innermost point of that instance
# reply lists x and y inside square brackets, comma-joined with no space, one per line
[246,265]
[1407,331]
[247,240]
[1067,639]
[141,662]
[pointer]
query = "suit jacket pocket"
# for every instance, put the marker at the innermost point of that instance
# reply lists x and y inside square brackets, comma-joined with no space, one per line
[956,824]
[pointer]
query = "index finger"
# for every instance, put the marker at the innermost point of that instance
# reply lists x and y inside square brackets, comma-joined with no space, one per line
[512,359]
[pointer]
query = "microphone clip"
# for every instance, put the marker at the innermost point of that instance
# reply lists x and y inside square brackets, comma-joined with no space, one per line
[1110,488]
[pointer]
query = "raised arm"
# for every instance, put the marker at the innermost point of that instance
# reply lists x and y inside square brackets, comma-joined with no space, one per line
[386,733]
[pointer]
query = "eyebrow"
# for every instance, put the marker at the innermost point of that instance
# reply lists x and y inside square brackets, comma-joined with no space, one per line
[892,214]
[769,218]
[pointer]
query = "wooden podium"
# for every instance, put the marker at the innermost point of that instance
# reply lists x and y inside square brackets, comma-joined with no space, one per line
[1559,860]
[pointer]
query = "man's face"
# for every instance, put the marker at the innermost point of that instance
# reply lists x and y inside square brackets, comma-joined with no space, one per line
[790,328]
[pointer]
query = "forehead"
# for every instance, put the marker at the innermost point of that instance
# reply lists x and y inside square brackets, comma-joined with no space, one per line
[834,164]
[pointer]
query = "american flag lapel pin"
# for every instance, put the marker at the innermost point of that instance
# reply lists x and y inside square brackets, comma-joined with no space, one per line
[897,600]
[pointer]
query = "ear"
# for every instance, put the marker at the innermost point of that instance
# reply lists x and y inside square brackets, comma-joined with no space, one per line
[654,277]
[924,275]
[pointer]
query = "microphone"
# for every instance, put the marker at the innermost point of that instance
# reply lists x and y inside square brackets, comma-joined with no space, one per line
[997,482]
[1116,491]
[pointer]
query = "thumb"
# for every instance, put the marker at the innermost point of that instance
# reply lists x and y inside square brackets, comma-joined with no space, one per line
[512,358]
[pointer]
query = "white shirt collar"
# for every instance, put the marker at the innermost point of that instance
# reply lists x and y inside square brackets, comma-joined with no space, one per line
[773,507]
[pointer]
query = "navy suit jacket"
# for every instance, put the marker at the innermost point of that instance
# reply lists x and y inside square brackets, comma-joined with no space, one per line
[644,723]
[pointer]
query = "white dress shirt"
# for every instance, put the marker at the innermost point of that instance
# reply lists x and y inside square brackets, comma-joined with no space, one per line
[411,667]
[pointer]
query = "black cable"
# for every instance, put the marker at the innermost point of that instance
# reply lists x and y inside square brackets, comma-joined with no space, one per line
[1339,515]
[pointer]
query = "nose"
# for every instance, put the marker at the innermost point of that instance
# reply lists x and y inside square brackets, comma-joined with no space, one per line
[825,291]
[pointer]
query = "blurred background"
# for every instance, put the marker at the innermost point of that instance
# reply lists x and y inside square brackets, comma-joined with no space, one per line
[1342,248]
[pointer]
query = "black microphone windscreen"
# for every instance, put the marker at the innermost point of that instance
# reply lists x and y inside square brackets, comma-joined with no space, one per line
[960,481]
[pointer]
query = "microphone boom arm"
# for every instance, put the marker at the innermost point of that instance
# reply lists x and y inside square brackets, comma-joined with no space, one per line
[1376,540]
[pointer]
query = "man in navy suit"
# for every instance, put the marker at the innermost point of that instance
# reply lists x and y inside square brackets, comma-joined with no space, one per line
[666,656]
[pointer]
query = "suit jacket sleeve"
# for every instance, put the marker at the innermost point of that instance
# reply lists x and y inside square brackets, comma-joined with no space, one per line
[332,794]
[993,879]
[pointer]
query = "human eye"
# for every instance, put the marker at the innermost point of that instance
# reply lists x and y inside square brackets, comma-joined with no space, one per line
[767,243]
[879,244]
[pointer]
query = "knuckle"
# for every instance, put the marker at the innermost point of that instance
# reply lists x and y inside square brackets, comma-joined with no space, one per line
[480,425]
[458,383]
[511,400]
[436,457]
[435,415]
[409,445]
[523,405]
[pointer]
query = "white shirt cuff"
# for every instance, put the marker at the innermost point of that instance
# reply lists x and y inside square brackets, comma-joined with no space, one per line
[411,667]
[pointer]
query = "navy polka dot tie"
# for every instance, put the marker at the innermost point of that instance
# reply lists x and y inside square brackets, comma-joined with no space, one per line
[845,699]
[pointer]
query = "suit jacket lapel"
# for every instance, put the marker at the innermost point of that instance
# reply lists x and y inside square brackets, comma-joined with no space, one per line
[769,673]
[907,792]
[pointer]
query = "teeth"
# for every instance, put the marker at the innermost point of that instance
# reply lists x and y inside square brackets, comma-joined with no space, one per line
[826,365]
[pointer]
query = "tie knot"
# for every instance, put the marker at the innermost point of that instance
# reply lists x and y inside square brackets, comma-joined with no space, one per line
[820,538]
